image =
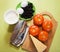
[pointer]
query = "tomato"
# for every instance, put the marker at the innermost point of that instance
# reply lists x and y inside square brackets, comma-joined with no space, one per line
[47,25]
[38,19]
[34,30]
[43,36]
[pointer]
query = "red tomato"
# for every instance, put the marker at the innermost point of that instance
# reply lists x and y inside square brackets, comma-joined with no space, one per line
[38,19]
[34,30]
[47,25]
[43,36]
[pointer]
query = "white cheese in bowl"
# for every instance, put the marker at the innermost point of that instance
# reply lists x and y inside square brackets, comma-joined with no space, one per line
[24,3]
[20,11]
[11,17]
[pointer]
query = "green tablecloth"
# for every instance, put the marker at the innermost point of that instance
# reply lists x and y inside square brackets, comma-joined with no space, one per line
[53,6]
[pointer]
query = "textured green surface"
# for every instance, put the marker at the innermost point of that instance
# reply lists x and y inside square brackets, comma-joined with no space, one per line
[53,6]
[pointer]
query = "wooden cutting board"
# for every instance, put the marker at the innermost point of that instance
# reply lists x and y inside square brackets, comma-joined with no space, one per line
[38,44]
[28,44]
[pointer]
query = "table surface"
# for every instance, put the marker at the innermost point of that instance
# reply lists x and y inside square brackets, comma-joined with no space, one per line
[52,6]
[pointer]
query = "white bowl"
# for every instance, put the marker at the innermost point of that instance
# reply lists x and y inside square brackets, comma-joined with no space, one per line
[11,16]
